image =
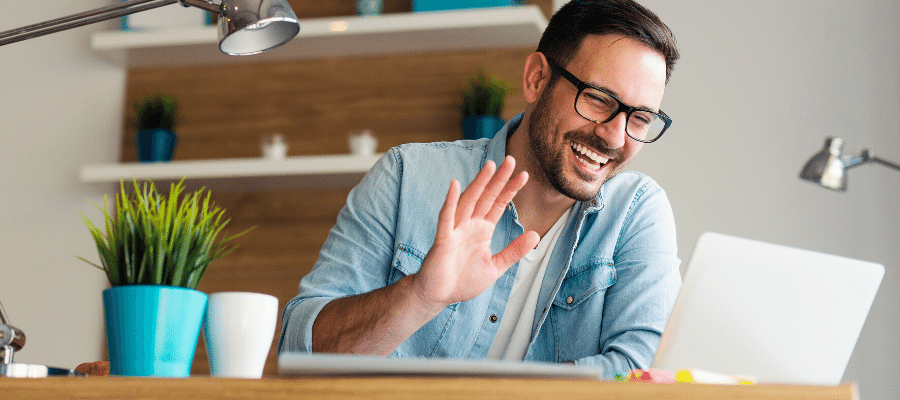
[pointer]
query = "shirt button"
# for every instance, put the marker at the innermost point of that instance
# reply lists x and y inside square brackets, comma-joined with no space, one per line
[570,300]
[494,318]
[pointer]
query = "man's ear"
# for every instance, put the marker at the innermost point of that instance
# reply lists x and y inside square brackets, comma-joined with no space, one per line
[535,77]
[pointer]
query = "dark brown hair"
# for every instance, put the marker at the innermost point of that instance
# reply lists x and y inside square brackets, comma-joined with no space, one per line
[579,18]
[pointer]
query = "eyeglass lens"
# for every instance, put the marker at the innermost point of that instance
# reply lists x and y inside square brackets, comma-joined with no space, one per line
[599,106]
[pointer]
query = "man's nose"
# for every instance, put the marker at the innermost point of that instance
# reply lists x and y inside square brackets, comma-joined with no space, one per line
[613,131]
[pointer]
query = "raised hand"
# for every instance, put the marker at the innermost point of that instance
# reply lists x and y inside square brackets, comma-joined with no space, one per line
[461,265]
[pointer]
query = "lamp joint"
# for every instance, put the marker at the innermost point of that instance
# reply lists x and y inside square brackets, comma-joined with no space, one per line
[213,6]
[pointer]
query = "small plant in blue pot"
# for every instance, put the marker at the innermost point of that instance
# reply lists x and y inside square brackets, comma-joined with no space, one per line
[154,251]
[155,117]
[483,100]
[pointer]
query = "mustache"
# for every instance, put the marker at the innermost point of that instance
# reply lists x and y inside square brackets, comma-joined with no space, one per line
[596,143]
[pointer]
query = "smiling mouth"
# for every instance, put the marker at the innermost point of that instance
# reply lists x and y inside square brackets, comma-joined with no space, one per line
[589,157]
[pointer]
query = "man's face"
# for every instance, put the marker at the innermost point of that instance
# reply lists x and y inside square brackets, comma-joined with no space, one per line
[576,155]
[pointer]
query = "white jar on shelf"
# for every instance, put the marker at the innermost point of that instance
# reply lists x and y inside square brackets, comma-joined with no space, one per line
[274,147]
[363,143]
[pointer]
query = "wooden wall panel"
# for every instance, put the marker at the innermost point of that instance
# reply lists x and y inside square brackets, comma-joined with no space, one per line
[315,104]
[330,8]
[289,229]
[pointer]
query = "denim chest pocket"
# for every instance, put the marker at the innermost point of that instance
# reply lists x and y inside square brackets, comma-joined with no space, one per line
[407,261]
[431,339]
[584,282]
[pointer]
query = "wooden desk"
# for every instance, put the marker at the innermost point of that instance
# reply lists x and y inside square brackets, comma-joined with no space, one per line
[277,388]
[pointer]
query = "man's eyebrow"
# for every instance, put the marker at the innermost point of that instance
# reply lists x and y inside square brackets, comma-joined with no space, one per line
[618,96]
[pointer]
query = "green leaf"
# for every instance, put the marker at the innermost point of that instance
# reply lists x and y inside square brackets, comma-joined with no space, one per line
[159,239]
[484,95]
[155,111]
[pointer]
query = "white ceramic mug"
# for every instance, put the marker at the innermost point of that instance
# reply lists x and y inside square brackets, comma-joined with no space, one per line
[238,330]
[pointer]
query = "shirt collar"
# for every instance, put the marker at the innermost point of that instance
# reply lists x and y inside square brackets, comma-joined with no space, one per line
[496,151]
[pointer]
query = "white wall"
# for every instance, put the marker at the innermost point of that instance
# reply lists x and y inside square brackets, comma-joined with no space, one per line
[760,86]
[60,107]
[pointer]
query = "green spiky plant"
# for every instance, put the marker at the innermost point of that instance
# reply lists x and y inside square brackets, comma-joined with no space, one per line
[156,111]
[484,95]
[155,239]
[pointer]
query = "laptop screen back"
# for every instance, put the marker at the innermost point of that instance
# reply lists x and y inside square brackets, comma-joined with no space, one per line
[776,313]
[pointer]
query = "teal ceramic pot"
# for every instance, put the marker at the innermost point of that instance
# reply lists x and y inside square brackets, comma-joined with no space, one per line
[438,5]
[156,145]
[481,126]
[369,7]
[152,330]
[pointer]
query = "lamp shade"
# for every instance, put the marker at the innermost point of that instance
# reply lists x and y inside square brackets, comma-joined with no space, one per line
[254,26]
[826,167]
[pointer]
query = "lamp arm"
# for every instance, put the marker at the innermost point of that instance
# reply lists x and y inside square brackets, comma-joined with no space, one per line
[885,162]
[3,319]
[865,157]
[80,19]
[96,15]
[213,6]
[87,14]
[862,158]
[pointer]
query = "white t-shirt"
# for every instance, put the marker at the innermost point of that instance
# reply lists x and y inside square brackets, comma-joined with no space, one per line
[514,333]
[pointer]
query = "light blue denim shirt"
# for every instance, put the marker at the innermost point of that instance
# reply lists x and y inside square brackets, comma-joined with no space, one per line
[609,287]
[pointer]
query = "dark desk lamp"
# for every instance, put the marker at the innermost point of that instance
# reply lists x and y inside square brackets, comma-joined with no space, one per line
[245,26]
[828,167]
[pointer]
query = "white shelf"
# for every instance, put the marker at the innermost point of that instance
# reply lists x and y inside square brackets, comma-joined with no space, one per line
[473,29]
[245,174]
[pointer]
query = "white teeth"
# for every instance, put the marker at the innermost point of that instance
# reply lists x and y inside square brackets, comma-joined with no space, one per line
[589,153]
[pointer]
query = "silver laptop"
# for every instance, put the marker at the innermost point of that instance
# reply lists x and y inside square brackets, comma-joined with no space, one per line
[300,364]
[779,314]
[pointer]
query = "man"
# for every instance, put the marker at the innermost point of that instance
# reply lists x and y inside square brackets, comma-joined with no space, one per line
[552,256]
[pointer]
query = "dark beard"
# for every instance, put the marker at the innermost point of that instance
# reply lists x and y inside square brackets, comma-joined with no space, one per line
[550,161]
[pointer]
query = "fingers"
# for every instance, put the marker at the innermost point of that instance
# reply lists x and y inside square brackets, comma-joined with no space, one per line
[489,193]
[470,196]
[514,251]
[446,220]
[489,197]
[506,196]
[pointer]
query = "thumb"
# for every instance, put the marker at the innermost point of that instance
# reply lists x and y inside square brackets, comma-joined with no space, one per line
[514,251]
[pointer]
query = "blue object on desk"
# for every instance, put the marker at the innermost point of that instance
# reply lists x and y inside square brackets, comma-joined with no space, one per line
[152,330]
[437,5]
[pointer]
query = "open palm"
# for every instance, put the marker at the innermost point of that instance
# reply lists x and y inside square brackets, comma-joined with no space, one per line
[460,264]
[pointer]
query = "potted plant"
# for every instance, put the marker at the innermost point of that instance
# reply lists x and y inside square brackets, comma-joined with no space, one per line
[482,106]
[155,117]
[154,251]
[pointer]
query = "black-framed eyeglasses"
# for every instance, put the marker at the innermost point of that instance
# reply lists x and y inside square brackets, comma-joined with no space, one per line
[599,106]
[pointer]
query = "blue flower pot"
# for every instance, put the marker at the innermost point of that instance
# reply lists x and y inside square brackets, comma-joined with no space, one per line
[152,330]
[369,7]
[156,145]
[481,126]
